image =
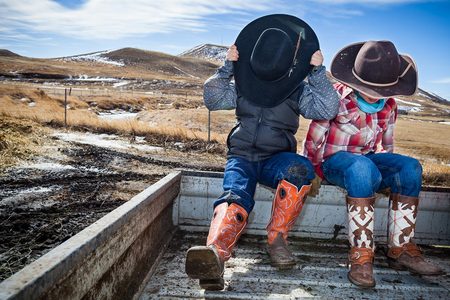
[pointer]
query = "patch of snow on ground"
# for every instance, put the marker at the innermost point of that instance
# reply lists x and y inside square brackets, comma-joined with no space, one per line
[408,108]
[104,141]
[87,78]
[407,102]
[120,83]
[446,123]
[95,57]
[49,166]
[23,196]
[140,139]
[116,115]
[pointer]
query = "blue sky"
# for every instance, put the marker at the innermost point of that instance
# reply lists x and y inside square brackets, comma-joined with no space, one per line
[48,28]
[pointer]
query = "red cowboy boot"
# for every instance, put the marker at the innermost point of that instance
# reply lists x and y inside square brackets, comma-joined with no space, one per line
[286,207]
[360,218]
[206,263]
[403,254]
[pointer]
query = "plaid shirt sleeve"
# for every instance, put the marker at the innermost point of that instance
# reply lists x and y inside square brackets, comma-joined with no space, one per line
[387,141]
[314,142]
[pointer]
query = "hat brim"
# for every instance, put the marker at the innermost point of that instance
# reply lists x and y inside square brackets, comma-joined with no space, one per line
[271,93]
[341,70]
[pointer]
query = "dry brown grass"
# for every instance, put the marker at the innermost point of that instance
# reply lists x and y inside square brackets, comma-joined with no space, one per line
[435,174]
[19,139]
[14,102]
[163,124]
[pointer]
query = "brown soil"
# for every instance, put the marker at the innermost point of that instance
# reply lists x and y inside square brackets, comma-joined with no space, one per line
[42,207]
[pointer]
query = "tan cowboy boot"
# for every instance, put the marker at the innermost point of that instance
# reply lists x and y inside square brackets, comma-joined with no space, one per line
[286,207]
[361,267]
[360,235]
[206,263]
[403,253]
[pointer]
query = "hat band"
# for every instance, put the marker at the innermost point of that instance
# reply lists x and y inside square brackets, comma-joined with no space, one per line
[294,60]
[381,84]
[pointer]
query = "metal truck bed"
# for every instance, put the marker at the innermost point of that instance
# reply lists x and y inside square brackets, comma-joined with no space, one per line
[137,251]
[321,272]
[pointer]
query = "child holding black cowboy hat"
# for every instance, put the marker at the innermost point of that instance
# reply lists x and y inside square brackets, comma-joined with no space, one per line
[269,61]
[355,151]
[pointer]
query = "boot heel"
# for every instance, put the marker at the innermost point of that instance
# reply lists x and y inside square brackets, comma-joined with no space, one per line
[212,284]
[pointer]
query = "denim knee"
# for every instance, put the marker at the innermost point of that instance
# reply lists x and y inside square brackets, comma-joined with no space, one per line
[362,178]
[230,197]
[300,173]
[411,177]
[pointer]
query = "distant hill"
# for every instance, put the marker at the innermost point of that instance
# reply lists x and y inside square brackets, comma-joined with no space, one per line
[158,61]
[150,61]
[193,65]
[209,52]
[121,63]
[5,52]
[433,96]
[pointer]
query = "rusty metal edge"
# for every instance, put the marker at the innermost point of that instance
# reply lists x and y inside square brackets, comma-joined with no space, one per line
[38,277]
[154,267]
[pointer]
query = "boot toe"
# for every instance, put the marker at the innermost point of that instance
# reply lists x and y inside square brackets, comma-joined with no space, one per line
[361,280]
[280,255]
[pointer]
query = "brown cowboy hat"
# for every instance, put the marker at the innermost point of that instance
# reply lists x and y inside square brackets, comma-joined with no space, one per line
[376,69]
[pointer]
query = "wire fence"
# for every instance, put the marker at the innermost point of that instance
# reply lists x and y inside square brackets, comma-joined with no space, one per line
[64,92]
[89,91]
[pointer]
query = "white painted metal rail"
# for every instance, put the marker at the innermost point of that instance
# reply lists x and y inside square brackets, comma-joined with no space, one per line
[323,216]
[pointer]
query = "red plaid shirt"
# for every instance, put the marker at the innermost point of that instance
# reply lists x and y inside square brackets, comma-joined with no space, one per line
[352,130]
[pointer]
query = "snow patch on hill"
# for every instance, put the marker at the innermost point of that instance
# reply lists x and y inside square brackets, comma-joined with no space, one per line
[210,52]
[408,103]
[97,57]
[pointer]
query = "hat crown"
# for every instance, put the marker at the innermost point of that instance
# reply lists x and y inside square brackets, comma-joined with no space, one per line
[378,62]
[272,55]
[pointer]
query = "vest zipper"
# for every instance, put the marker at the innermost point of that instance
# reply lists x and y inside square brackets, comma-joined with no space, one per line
[257,129]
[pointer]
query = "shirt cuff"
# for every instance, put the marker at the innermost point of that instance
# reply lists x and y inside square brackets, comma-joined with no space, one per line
[317,70]
[227,67]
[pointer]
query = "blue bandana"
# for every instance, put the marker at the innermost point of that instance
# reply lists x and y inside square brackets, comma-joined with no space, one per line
[367,107]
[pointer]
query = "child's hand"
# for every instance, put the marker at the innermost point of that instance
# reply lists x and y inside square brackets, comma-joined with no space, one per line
[232,53]
[316,58]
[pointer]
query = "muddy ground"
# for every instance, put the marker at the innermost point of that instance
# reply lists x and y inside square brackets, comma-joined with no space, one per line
[68,187]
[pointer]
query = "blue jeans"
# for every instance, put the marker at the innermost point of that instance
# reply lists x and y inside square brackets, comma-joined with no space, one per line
[241,176]
[363,175]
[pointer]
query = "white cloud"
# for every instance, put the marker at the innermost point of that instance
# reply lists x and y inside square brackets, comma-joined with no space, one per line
[442,81]
[114,19]
[371,1]
[23,37]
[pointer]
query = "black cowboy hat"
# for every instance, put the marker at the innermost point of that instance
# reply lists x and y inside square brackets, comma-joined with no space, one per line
[376,69]
[274,56]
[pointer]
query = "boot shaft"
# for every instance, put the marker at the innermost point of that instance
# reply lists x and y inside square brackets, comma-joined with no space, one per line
[361,222]
[402,219]
[286,207]
[227,225]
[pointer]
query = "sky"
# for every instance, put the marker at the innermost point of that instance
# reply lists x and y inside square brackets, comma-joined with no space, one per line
[55,28]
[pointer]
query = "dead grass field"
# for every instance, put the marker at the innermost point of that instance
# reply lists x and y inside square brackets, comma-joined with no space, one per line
[164,123]
[15,103]
[19,139]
